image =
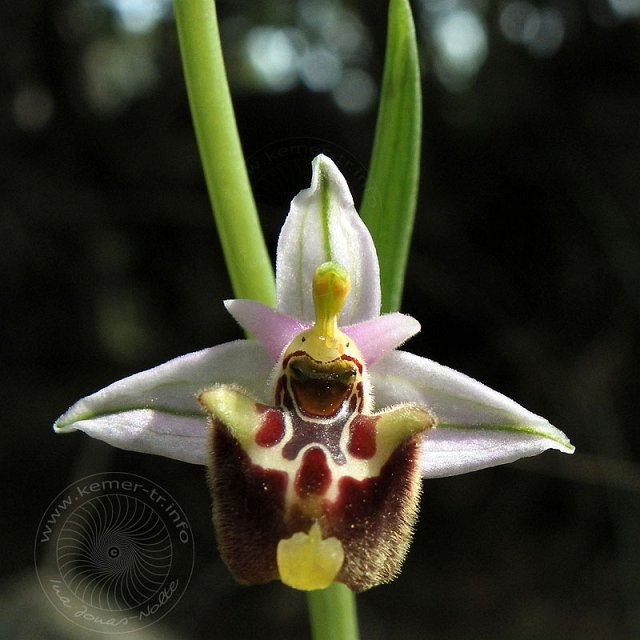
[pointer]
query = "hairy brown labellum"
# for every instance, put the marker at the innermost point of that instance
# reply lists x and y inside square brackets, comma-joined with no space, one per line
[317,488]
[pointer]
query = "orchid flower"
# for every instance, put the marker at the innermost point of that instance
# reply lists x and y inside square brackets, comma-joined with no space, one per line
[318,430]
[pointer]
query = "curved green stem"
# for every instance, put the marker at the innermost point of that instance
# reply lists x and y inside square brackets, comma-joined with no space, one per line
[333,613]
[225,171]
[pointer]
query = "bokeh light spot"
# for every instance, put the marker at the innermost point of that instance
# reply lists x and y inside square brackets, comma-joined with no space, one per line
[139,16]
[461,44]
[273,57]
[321,69]
[541,31]
[625,8]
[116,71]
[356,91]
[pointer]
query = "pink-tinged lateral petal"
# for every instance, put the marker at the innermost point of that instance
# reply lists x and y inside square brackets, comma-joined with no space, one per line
[375,338]
[323,226]
[476,427]
[156,411]
[273,329]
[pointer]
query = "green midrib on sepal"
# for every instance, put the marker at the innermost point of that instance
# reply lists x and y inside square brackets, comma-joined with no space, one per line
[325,200]
[63,427]
[520,429]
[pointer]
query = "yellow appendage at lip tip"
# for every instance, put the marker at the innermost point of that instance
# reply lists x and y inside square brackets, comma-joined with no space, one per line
[307,562]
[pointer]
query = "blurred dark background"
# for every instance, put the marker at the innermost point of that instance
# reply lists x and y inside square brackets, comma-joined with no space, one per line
[524,272]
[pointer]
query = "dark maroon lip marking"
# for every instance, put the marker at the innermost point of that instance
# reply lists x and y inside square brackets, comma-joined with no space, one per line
[314,476]
[349,358]
[271,430]
[362,437]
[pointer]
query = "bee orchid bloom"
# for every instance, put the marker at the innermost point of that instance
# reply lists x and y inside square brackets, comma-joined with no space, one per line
[317,432]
